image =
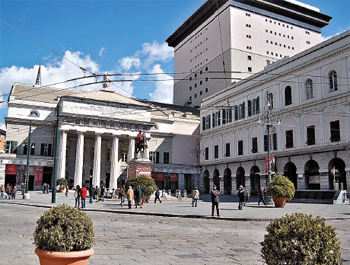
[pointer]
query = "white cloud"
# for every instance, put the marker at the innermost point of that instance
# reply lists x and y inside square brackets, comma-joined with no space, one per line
[128,62]
[156,52]
[164,86]
[100,53]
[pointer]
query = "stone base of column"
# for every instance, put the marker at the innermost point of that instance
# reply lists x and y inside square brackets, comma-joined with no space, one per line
[140,167]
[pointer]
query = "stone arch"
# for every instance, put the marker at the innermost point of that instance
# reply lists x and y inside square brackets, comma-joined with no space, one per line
[290,171]
[206,181]
[338,176]
[216,179]
[254,180]
[227,181]
[240,177]
[312,175]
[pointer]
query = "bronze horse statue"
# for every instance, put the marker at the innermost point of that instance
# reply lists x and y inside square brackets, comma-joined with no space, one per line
[139,143]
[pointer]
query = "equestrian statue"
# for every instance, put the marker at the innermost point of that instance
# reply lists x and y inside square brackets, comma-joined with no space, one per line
[139,143]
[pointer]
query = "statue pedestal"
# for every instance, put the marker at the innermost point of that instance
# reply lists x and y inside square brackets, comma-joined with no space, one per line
[140,167]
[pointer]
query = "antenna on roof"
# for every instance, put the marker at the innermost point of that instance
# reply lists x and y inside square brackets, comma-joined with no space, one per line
[38,77]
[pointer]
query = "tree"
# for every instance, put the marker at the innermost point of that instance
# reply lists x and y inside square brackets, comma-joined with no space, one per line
[147,185]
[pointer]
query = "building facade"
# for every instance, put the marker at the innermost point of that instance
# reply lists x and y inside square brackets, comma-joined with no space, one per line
[293,118]
[97,132]
[225,41]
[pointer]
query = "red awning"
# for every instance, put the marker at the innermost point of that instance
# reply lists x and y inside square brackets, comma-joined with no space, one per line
[159,177]
[173,177]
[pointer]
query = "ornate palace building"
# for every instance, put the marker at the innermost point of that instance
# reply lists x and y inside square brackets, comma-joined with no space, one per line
[295,112]
[97,132]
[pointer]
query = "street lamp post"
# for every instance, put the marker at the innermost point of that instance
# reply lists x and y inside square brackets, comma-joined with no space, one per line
[197,152]
[270,128]
[29,149]
[53,198]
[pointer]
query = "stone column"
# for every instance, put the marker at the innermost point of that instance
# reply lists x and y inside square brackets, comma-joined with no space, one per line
[115,172]
[146,150]
[131,152]
[96,179]
[62,155]
[78,173]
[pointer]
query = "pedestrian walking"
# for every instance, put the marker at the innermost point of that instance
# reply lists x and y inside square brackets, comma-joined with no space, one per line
[83,194]
[91,193]
[130,196]
[157,196]
[138,195]
[67,190]
[122,195]
[2,190]
[14,192]
[215,199]
[8,190]
[241,197]
[102,194]
[77,197]
[261,196]
[97,193]
[22,187]
[195,197]
[47,188]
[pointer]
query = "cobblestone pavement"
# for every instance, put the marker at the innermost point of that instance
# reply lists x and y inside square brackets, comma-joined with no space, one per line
[169,233]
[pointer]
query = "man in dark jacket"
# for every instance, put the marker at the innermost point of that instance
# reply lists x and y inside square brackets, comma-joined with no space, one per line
[215,198]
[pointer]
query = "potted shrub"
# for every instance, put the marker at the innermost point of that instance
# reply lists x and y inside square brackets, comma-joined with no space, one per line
[300,239]
[147,185]
[281,189]
[62,183]
[64,235]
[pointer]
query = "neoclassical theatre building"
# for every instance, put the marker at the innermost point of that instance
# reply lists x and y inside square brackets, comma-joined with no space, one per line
[304,100]
[97,132]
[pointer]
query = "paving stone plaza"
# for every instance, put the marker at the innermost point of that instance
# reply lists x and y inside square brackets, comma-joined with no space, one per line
[172,232]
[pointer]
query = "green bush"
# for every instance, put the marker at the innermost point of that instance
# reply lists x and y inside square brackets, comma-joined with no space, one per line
[147,185]
[62,182]
[281,187]
[300,239]
[64,228]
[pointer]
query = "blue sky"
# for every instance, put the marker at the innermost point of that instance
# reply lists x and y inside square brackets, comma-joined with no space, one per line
[114,36]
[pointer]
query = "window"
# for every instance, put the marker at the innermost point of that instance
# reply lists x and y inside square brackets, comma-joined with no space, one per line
[273,142]
[108,154]
[45,149]
[11,147]
[310,134]
[216,151]
[253,107]
[289,139]
[269,99]
[166,158]
[34,113]
[240,147]
[309,89]
[239,111]
[254,145]
[333,82]
[124,156]
[228,150]
[288,96]
[154,156]
[249,69]
[335,131]
[206,153]
[226,116]
[249,58]
[25,148]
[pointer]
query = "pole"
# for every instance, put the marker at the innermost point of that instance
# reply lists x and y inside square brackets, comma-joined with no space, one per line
[53,200]
[268,180]
[29,149]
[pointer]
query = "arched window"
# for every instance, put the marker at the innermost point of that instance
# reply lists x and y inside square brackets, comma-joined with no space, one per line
[34,113]
[288,96]
[333,82]
[309,89]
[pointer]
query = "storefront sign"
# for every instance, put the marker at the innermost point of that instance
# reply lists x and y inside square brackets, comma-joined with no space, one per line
[272,162]
[159,177]
[11,169]
[173,177]
[39,175]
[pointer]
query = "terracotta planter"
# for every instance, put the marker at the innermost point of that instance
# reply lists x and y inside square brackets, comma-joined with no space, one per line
[64,258]
[280,202]
[61,189]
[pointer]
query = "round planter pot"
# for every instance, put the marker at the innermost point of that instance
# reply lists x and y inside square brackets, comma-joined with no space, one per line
[280,202]
[64,258]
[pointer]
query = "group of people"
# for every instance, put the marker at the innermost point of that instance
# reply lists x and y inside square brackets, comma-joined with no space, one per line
[131,196]
[9,192]
[80,195]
